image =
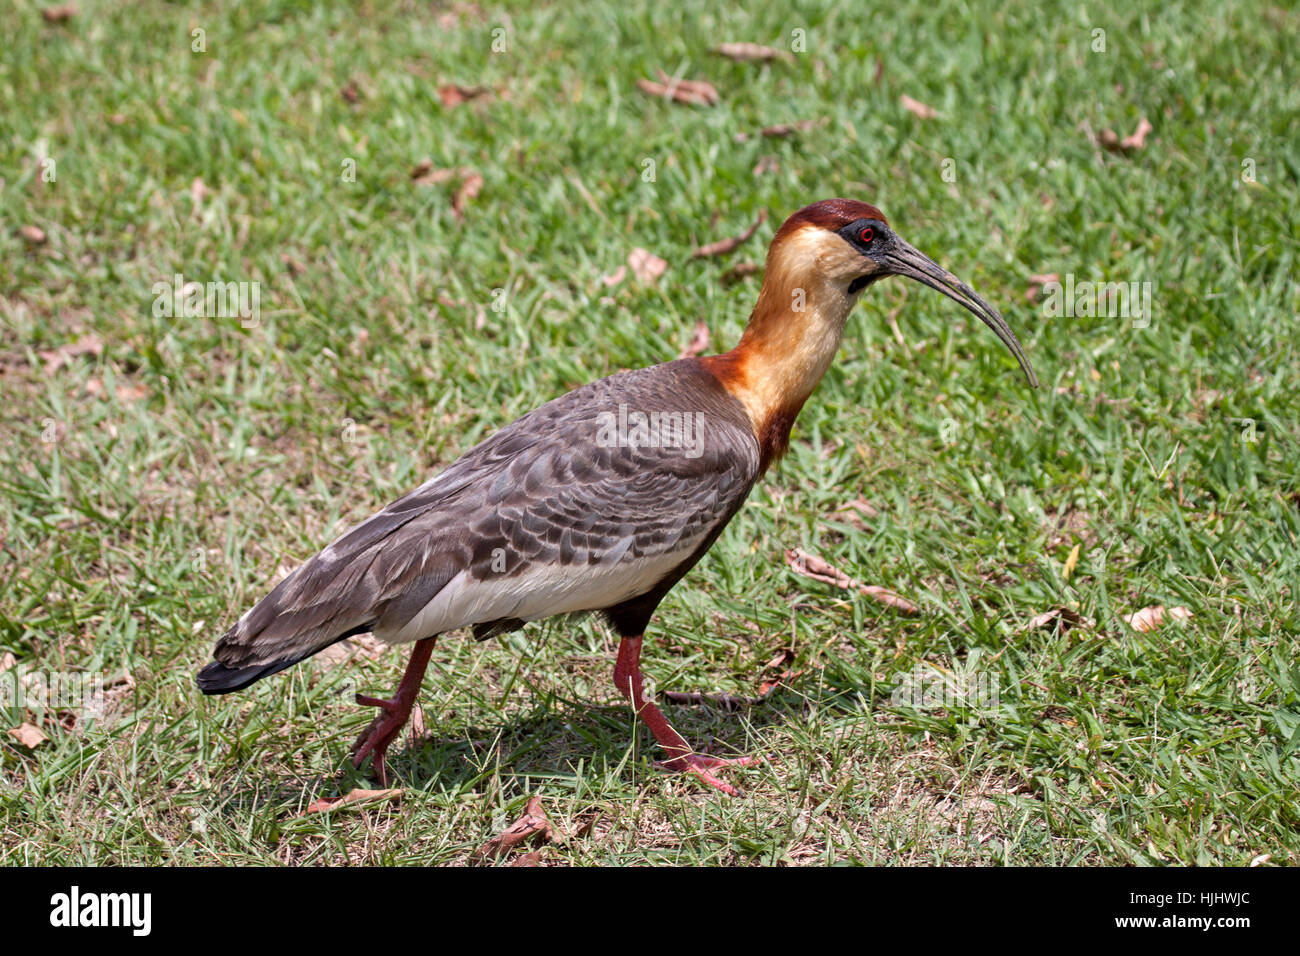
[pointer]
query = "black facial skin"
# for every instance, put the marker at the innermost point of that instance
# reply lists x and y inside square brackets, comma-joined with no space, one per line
[879,240]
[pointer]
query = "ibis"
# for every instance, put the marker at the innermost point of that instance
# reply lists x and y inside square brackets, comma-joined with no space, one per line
[598,501]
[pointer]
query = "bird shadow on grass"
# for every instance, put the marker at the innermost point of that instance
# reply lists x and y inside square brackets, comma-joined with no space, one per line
[553,739]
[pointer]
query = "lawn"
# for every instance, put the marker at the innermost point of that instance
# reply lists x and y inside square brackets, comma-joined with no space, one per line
[432,203]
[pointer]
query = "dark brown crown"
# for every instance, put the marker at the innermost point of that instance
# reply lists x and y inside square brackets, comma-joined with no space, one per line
[830,214]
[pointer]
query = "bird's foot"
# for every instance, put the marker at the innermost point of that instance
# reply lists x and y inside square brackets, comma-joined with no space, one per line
[700,765]
[393,714]
[379,735]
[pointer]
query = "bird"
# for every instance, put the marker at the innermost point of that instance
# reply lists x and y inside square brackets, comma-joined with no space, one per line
[600,500]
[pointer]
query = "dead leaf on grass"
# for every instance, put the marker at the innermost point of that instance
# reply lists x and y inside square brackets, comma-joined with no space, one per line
[352,797]
[691,92]
[778,130]
[1129,144]
[745,52]
[29,735]
[1036,283]
[1066,618]
[468,189]
[645,265]
[699,342]
[811,566]
[917,108]
[1152,618]
[424,173]
[60,14]
[55,359]
[739,271]
[777,672]
[532,827]
[453,94]
[857,513]
[724,246]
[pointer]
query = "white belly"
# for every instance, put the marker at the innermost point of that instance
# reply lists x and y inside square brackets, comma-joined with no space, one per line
[536,594]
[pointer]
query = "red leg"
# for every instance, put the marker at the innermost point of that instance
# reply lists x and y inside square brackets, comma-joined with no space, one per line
[393,714]
[627,677]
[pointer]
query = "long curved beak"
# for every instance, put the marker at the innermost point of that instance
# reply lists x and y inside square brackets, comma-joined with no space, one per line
[904,260]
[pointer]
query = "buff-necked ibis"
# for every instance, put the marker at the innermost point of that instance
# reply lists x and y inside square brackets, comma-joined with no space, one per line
[576,506]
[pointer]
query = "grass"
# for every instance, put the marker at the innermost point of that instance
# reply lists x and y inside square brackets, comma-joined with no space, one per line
[155,485]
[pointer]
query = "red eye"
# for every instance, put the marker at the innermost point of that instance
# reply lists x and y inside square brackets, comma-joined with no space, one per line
[866,235]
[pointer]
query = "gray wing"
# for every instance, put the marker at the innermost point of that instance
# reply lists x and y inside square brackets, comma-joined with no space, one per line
[555,513]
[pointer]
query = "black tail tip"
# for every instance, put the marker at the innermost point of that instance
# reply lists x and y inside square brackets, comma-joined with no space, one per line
[217,678]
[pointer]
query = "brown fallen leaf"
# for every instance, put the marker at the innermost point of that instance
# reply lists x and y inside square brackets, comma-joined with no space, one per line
[786,130]
[699,342]
[1137,140]
[60,14]
[528,859]
[587,827]
[724,246]
[418,729]
[531,827]
[425,174]
[739,271]
[55,359]
[615,277]
[645,265]
[1067,618]
[743,52]
[692,92]
[131,393]
[350,92]
[781,658]
[779,130]
[784,674]
[857,513]
[470,187]
[294,267]
[353,796]
[1151,618]
[34,234]
[811,566]
[29,735]
[1036,283]
[454,94]
[917,108]
[199,191]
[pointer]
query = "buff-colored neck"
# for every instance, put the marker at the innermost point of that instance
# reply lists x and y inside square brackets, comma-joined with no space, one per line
[793,333]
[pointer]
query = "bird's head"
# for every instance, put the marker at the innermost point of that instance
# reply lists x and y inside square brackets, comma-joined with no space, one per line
[830,251]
